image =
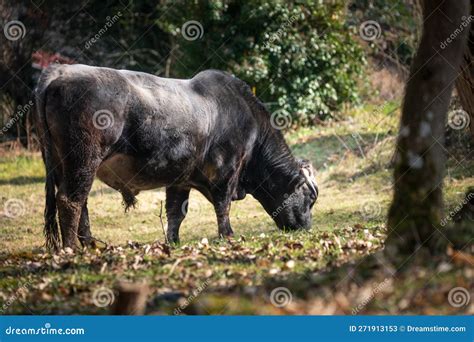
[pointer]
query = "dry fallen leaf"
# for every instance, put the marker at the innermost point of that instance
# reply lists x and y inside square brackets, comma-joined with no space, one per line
[460,258]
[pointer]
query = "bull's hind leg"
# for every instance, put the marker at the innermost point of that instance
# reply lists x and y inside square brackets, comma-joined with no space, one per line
[85,236]
[79,170]
[176,208]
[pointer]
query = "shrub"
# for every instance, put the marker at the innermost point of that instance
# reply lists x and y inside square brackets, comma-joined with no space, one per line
[299,55]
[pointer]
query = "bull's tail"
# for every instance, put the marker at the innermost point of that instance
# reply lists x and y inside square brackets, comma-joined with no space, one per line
[51,231]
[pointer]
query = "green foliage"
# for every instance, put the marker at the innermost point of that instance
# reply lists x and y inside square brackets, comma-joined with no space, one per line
[299,55]
[400,21]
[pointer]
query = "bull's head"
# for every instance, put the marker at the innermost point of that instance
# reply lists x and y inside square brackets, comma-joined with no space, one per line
[294,211]
[290,203]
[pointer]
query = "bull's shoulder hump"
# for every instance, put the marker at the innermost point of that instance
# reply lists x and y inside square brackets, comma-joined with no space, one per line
[212,74]
[66,71]
[213,81]
[145,80]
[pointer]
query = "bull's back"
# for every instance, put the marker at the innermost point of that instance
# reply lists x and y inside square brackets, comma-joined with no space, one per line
[152,131]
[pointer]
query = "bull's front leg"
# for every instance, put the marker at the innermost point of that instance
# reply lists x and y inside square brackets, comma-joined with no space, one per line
[176,208]
[222,207]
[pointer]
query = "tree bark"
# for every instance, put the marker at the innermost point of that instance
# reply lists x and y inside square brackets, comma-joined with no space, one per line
[465,81]
[16,47]
[131,299]
[420,161]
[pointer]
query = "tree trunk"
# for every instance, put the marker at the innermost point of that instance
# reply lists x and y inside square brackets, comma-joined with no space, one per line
[20,34]
[465,81]
[131,299]
[420,161]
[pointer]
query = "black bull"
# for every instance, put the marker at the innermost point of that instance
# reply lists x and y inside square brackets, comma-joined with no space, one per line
[136,131]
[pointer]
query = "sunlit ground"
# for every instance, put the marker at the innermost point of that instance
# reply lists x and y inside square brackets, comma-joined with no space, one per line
[353,162]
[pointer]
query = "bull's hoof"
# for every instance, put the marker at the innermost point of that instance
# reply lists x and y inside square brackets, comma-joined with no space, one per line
[88,242]
[173,239]
[226,234]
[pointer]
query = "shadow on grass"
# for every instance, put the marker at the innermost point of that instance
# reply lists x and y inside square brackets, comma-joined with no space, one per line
[329,149]
[103,191]
[22,180]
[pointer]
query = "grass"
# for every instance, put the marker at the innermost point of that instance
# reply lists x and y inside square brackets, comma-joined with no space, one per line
[353,162]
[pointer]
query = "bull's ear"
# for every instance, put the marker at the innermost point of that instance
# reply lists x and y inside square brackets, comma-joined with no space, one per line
[304,163]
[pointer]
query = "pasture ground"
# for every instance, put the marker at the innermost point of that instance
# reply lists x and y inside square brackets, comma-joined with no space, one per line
[237,276]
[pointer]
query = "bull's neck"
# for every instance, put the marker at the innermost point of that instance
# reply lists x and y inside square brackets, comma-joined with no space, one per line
[272,167]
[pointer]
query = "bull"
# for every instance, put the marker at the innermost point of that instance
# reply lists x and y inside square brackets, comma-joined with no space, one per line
[136,131]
